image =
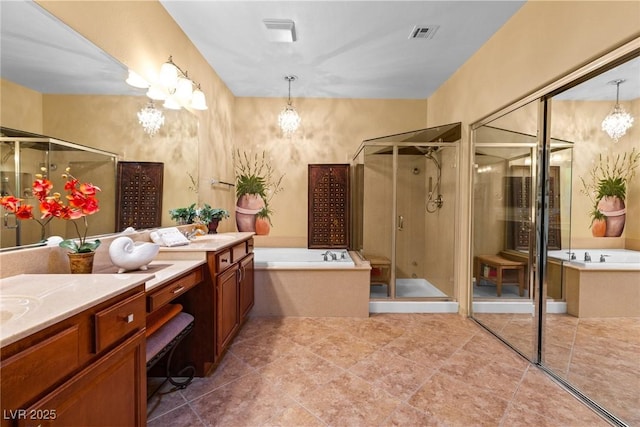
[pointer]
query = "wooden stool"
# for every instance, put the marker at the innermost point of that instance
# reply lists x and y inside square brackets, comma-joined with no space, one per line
[380,271]
[500,265]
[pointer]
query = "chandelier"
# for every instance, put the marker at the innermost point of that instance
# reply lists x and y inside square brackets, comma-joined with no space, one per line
[618,121]
[150,118]
[289,120]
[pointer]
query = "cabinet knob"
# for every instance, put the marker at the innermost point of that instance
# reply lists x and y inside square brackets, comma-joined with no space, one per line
[129,318]
[225,260]
[178,289]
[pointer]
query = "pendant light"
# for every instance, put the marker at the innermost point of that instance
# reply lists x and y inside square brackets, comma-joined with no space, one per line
[618,121]
[289,119]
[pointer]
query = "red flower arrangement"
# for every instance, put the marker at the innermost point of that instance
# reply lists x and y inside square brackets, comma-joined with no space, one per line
[82,203]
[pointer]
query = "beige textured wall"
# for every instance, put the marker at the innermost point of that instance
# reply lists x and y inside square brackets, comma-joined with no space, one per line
[142,35]
[541,42]
[110,123]
[20,108]
[331,131]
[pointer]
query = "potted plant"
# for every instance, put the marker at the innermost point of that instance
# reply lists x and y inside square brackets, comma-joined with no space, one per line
[607,190]
[255,187]
[184,215]
[211,217]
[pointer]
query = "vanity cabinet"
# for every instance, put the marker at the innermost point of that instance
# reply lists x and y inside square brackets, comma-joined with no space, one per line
[233,272]
[246,286]
[227,314]
[66,374]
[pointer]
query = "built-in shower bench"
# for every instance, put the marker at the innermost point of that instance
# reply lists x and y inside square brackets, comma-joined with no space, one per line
[495,269]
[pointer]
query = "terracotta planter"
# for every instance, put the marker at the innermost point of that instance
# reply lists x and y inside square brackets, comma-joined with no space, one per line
[262,226]
[614,209]
[247,207]
[598,228]
[81,263]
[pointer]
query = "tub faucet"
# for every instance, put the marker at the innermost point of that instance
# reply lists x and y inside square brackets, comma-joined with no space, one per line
[326,255]
[587,257]
[602,258]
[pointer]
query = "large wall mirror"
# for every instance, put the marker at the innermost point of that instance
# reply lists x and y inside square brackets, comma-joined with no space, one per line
[58,85]
[578,313]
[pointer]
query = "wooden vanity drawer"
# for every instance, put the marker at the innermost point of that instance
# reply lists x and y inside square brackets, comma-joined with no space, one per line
[43,364]
[223,260]
[173,289]
[239,251]
[119,320]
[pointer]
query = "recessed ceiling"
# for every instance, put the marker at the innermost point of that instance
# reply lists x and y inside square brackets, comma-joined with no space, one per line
[344,49]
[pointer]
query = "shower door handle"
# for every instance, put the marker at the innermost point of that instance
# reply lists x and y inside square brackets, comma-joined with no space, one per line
[6,221]
[400,222]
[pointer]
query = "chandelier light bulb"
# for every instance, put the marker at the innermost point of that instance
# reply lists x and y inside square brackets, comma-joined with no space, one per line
[618,121]
[289,120]
[151,119]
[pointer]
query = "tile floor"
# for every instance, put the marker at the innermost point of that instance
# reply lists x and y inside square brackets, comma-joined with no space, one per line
[599,356]
[387,370]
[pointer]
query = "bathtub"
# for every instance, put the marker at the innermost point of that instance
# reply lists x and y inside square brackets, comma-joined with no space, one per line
[302,258]
[603,259]
[299,282]
[610,288]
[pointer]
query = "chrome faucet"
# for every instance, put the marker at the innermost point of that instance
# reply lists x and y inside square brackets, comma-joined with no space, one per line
[572,255]
[328,254]
[191,235]
[587,257]
[602,258]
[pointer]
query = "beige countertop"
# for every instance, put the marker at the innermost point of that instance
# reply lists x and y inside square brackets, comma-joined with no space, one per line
[32,302]
[206,243]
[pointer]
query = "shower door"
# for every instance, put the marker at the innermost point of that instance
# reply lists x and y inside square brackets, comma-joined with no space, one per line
[408,210]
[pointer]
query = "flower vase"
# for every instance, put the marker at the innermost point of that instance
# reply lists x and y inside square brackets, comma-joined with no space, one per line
[81,262]
[213,226]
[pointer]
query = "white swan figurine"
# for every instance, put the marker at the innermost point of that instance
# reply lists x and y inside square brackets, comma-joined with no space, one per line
[127,255]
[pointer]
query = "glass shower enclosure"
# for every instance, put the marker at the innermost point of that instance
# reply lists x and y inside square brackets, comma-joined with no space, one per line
[22,158]
[405,189]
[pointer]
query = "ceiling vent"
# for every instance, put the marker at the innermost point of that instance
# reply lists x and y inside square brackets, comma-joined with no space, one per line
[423,31]
[280,30]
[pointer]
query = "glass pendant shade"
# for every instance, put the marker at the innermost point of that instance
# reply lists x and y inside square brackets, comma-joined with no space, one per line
[169,75]
[618,121]
[171,103]
[184,89]
[134,79]
[289,120]
[156,93]
[198,101]
[151,119]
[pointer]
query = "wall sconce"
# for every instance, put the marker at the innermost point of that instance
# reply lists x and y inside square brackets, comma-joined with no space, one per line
[618,121]
[289,119]
[174,87]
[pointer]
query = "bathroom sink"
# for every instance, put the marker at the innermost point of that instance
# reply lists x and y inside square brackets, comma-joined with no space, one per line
[13,307]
